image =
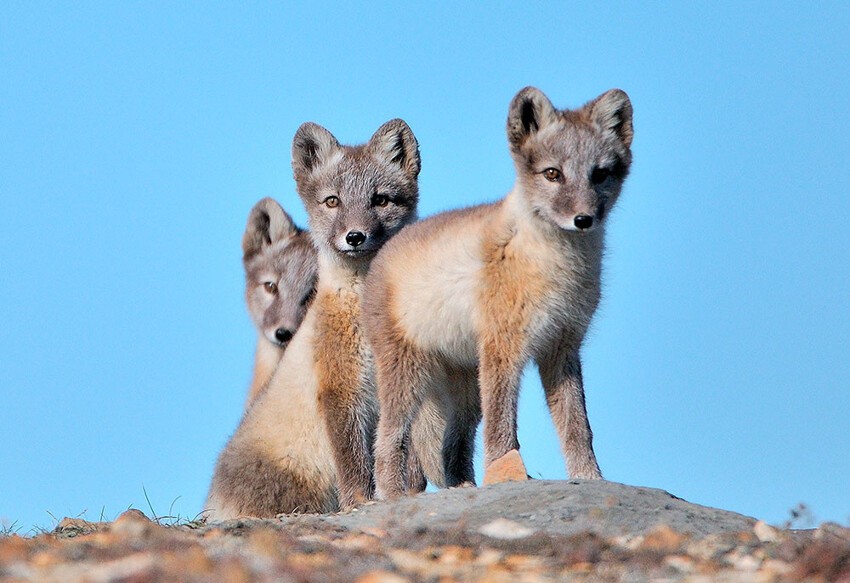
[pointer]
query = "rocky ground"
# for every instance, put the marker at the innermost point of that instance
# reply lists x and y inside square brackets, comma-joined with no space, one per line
[515,532]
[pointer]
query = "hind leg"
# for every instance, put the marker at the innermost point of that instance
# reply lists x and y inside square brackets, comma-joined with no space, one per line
[401,374]
[465,414]
[415,478]
[427,433]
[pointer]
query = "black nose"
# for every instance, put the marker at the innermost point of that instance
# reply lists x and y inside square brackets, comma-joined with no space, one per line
[583,221]
[283,335]
[355,238]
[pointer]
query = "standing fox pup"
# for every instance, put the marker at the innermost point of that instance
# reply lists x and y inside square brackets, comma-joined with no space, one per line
[305,445]
[280,280]
[489,288]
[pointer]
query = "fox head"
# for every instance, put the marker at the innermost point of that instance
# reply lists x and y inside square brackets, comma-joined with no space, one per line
[571,164]
[357,197]
[280,271]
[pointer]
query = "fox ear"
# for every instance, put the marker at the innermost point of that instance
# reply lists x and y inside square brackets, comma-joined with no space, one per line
[395,143]
[312,146]
[530,110]
[268,223]
[612,111]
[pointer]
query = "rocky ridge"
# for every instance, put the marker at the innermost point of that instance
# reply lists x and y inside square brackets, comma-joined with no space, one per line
[513,532]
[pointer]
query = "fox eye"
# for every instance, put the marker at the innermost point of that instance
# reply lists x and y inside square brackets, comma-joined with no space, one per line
[599,175]
[380,200]
[552,174]
[331,202]
[270,287]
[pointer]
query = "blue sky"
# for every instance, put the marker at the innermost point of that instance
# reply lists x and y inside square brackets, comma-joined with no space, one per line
[137,136]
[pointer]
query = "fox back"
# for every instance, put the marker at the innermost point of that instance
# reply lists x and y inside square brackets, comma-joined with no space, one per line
[281,270]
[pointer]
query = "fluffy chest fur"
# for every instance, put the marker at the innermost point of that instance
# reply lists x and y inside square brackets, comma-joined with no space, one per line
[342,357]
[539,283]
[457,276]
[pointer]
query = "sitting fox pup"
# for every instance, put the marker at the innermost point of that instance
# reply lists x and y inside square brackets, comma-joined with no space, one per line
[491,287]
[280,281]
[305,445]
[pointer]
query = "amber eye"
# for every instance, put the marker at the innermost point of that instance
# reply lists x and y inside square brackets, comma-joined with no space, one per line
[552,174]
[331,202]
[599,175]
[380,200]
[271,287]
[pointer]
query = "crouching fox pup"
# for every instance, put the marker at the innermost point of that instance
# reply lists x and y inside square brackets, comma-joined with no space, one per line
[280,279]
[306,442]
[484,290]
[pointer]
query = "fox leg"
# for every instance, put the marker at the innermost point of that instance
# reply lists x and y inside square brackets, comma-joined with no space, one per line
[562,383]
[346,396]
[459,440]
[425,456]
[402,379]
[501,367]
[350,419]
[415,478]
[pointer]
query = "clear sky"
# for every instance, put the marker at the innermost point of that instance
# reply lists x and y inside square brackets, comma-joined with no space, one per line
[135,138]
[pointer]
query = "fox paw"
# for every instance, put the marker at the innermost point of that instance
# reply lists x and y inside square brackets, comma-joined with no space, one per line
[508,468]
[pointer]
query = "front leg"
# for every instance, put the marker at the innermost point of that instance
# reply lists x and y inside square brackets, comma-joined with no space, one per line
[346,397]
[350,415]
[500,371]
[562,382]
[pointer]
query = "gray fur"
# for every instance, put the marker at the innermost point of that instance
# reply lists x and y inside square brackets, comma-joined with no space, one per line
[370,190]
[388,165]
[276,251]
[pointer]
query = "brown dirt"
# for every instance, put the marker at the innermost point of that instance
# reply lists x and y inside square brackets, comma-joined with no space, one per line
[477,534]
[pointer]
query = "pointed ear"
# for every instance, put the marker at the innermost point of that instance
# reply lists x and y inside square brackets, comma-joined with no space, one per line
[395,143]
[530,110]
[312,146]
[612,111]
[268,223]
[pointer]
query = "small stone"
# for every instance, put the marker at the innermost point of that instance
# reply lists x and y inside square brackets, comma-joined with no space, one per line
[765,532]
[133,514]
[680,563]
[488,557]
[508,468]
[746,563]
[71,527]
[503,528]
[664,539]
[132,524]
[409,561]
[375,532]
[832,531]
[453,554]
